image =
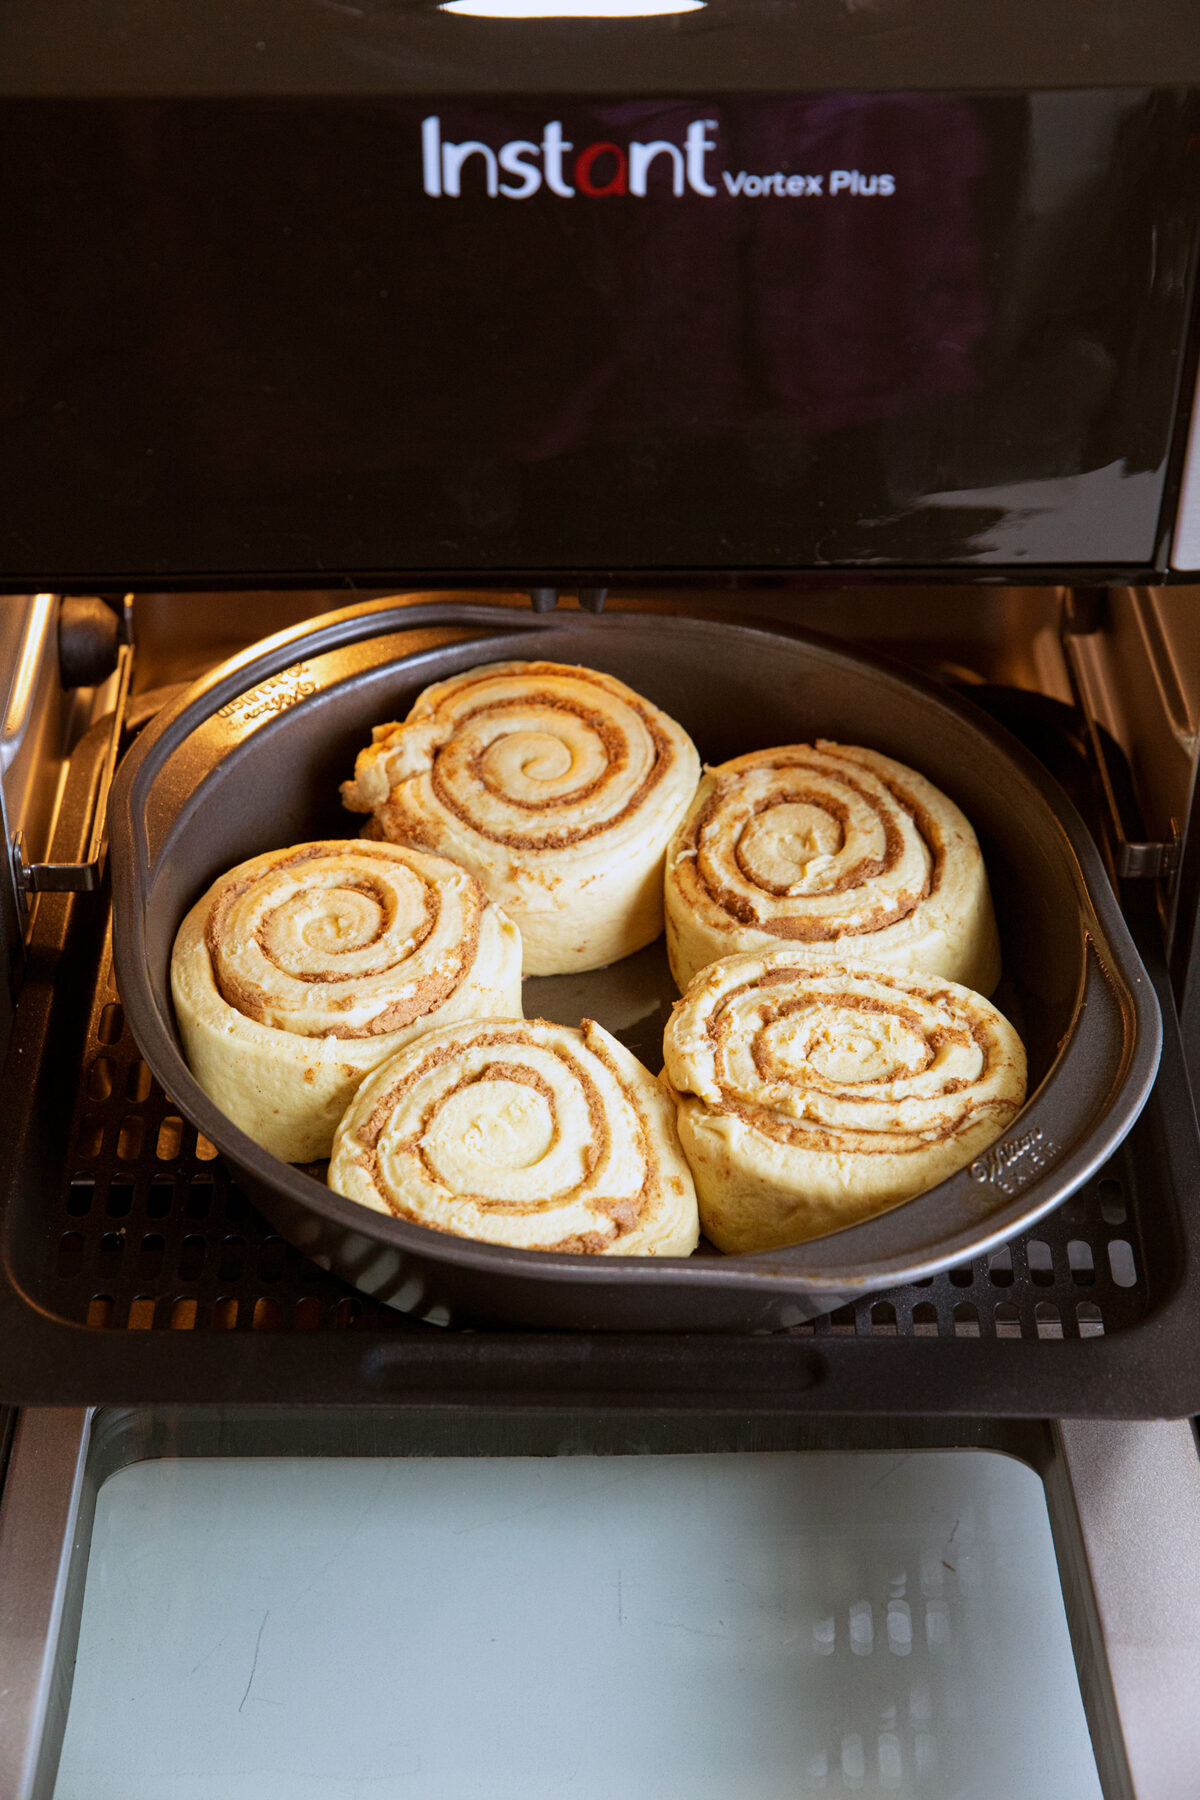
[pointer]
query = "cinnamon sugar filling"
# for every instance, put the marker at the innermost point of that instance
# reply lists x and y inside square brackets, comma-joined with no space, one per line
[252,1002]
[726,1031]
[612,740]
[616,751]
[755,909]
[616,1214]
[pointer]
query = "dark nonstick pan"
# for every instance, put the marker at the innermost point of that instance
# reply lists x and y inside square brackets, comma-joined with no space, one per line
[249,759]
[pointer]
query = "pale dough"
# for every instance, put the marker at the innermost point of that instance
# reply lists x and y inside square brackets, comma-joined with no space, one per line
[834,849]
[300,971]
[810,1098]
[529,1134]
[557,787]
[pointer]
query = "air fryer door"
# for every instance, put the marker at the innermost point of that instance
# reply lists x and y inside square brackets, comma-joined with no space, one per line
[219,1606]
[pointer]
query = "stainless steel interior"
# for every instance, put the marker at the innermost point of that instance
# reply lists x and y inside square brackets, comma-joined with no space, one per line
[1004,634]
[40,722]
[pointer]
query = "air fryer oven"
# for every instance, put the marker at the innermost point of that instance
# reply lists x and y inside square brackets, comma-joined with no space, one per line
[877,322]
[139,1271]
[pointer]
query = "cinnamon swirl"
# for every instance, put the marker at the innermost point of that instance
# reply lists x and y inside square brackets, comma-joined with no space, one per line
[557,787]
[810,1098]
[302,970]
[524,1133]
[841,850]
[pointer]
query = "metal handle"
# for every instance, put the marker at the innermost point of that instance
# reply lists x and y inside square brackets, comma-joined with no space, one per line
[46,1504]
[82,877]
[1124,1501]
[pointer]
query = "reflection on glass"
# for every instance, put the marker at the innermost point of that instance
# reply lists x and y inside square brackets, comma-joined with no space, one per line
[685,1627]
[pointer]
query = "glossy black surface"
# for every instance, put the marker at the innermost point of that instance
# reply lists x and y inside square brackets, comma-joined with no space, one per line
[243,337]
[411,47]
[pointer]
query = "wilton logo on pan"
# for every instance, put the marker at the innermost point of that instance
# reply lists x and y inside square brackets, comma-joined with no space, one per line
[1010,1163]
[272,696]
[521,168]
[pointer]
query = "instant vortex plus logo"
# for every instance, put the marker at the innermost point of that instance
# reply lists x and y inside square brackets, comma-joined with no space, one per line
[606,169]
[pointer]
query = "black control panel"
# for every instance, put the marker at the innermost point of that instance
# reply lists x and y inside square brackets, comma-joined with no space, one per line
[550,335]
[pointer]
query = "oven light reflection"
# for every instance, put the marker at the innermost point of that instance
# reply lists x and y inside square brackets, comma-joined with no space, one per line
[569,9]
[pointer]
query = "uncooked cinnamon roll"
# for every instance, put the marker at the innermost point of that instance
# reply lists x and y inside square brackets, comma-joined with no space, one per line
[810,1098]
[557,787]
[842,850]
[538,1136]
[302,970]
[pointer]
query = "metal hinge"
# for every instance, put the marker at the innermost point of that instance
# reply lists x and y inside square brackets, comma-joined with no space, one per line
[545,599]
[1149,862]
[1135,859]
[81,877]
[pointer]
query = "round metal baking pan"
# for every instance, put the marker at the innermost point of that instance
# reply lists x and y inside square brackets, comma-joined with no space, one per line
[249,759]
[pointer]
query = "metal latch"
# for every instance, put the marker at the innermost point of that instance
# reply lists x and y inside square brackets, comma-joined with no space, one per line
[82,877]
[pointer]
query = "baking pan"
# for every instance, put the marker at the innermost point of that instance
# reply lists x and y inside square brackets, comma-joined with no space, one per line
[250,758]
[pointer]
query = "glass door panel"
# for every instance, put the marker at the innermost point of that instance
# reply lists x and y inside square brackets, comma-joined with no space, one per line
[746,1626]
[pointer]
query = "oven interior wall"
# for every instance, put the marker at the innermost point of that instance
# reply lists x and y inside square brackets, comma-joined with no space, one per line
[979,633]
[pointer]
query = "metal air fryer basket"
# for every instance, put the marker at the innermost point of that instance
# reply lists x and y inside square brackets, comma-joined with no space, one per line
[249,759]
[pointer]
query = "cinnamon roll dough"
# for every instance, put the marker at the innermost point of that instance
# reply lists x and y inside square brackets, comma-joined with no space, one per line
[557,787]
[838,849]
[810,1098]
[302,970]
[523,1133]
